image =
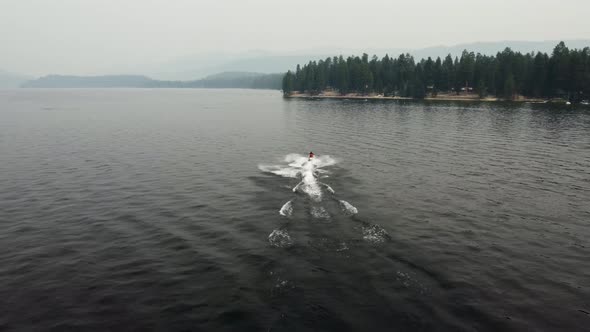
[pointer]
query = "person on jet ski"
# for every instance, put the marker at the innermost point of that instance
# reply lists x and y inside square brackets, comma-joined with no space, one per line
[311,155]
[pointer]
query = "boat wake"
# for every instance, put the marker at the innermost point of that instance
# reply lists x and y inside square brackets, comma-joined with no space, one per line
[314,200]
[287,209]
[309,172]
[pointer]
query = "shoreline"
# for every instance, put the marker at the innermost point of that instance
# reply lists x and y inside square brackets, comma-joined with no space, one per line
[469,98]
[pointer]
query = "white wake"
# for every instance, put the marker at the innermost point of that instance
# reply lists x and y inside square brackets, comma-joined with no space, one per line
[348,208]
[299,166]
[280,238]
[309,172]
[287,209]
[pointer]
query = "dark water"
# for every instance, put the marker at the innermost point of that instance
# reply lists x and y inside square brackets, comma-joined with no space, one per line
[152,210]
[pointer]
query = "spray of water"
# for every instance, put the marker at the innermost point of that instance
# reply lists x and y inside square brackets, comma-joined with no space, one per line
[309,172]
[348,208]
[280,238]
[287,209]
[299,166]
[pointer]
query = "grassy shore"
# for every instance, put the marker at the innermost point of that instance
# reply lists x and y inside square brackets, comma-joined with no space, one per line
[440,97]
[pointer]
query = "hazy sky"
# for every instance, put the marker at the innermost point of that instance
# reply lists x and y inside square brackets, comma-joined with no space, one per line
[92,36]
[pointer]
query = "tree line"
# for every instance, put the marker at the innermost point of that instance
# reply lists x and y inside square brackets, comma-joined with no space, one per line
[565,73]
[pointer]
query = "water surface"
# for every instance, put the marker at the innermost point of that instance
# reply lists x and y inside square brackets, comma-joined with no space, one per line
[175,210]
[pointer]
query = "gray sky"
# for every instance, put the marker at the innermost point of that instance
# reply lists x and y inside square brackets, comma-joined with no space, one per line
[93,36]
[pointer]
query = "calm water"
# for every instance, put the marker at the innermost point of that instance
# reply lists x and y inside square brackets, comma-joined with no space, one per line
[175,210]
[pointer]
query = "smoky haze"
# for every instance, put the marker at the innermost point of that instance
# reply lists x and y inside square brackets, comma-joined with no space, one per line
[85,37]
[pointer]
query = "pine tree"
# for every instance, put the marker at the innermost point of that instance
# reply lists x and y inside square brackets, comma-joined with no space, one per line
[509,87]
[342,78]
[466,69]
[288,83]
[438,77]
[564,73]
[539,86]
[481,89]
[560,66]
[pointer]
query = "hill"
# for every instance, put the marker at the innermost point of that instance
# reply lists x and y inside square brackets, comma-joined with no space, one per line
[492,48]
[201,65]
[11,80]
[245,80]
[106,81]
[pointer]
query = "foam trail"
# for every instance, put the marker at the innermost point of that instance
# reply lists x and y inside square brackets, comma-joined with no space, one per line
[348,208]
[324,161]
[328,187]
[299,166]
[310,184]
[287,172]
[297,186]
[375,234]
[287,209]
[280,238]
[296,164]
[320,212]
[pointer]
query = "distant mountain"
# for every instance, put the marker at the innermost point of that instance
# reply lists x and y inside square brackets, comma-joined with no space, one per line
[11,80]
[107,81]
[245,80]
[202,68]
[264,62]
[197,70]
[491,48]
[230,75]
[486,48]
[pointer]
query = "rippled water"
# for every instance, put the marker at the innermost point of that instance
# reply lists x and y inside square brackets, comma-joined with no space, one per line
[196,210]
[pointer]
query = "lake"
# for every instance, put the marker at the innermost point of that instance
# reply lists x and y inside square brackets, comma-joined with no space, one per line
[171,209]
